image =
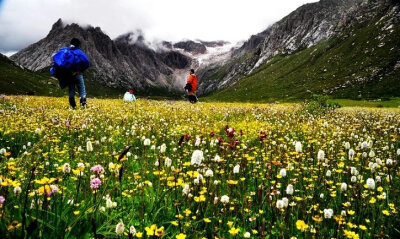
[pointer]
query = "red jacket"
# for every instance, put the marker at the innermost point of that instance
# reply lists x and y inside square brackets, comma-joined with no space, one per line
[192,79]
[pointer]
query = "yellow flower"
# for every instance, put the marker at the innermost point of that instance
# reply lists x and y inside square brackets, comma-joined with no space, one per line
[181,236]
[362,227]
[372,201]
[150,230]
[207,220]
[350,212]
[301,225]
[229,223]
[139,234]
[187,212]
[234,231]
[317,218]
[175,223]
[77,212]
[45,180]
[160,232]
[386,212]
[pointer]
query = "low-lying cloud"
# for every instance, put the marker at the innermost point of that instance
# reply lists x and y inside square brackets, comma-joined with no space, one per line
[23,22]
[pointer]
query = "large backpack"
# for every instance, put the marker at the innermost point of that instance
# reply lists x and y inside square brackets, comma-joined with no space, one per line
[66,62]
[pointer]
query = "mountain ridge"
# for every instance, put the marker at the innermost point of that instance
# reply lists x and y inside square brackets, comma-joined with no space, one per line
[127,61]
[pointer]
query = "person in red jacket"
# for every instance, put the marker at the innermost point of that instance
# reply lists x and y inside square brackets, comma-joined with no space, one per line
[191,87]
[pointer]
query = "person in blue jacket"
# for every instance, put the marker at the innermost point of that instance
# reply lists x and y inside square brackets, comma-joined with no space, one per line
[77,80]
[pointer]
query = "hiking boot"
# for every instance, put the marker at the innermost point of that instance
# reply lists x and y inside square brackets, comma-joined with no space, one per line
[83,102]
[72,102]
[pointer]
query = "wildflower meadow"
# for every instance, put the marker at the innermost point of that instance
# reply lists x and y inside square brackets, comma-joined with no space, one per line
[170,169]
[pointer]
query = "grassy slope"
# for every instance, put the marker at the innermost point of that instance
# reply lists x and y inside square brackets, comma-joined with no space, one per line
[14,80]
[353,56]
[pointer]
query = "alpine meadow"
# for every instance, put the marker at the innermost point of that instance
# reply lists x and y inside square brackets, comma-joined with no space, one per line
[292,133]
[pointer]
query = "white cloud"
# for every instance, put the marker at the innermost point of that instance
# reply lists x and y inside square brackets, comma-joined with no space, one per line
[26,21]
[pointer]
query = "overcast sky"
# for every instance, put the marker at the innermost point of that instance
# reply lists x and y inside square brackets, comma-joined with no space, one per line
[23,22]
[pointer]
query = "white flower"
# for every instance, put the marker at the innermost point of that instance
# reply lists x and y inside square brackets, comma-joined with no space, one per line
[321,195]
[3,151]
[37,131]
[285,201]
[109,203]
[225,199]
[156,163]
[236,169]
[119,229]
[163,148]
[168,162]
[378,179]
[197,158]
[17,190]
[398,151]
[81,165]
[328,213]
[282,172]
[351,154]
[197,142]
[216,200]
[378,161]
[132,231]
[321,155]
[371,154]
[364,145]
[246,235]
[216,158]
[347,145]
[328,173]
[146,142]
[344,186]
[353,179]
[354,171]
[66,168]
[298,147]
[216,182]
[186,189]
[89,146]
[209,173]
[389,162]
[343,213]
[279,204]
[289,189]
[371,183]
[373,166]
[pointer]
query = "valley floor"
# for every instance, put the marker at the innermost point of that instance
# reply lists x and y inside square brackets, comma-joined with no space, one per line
[211,170]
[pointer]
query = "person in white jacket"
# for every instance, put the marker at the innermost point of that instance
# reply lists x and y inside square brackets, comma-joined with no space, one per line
[129,96]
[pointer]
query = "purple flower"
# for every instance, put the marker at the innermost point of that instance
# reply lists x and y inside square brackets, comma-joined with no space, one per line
[53,188]
[2,199]
[95,183]
[97,169]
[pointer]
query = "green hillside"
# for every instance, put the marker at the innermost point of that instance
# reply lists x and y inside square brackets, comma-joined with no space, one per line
[15,80]
[362,63]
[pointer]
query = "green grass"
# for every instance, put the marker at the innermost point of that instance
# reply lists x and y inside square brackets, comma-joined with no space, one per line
[362,60]
[392,103]
[17,81]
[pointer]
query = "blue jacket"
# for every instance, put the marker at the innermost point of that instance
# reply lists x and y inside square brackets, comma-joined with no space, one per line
[66,62]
